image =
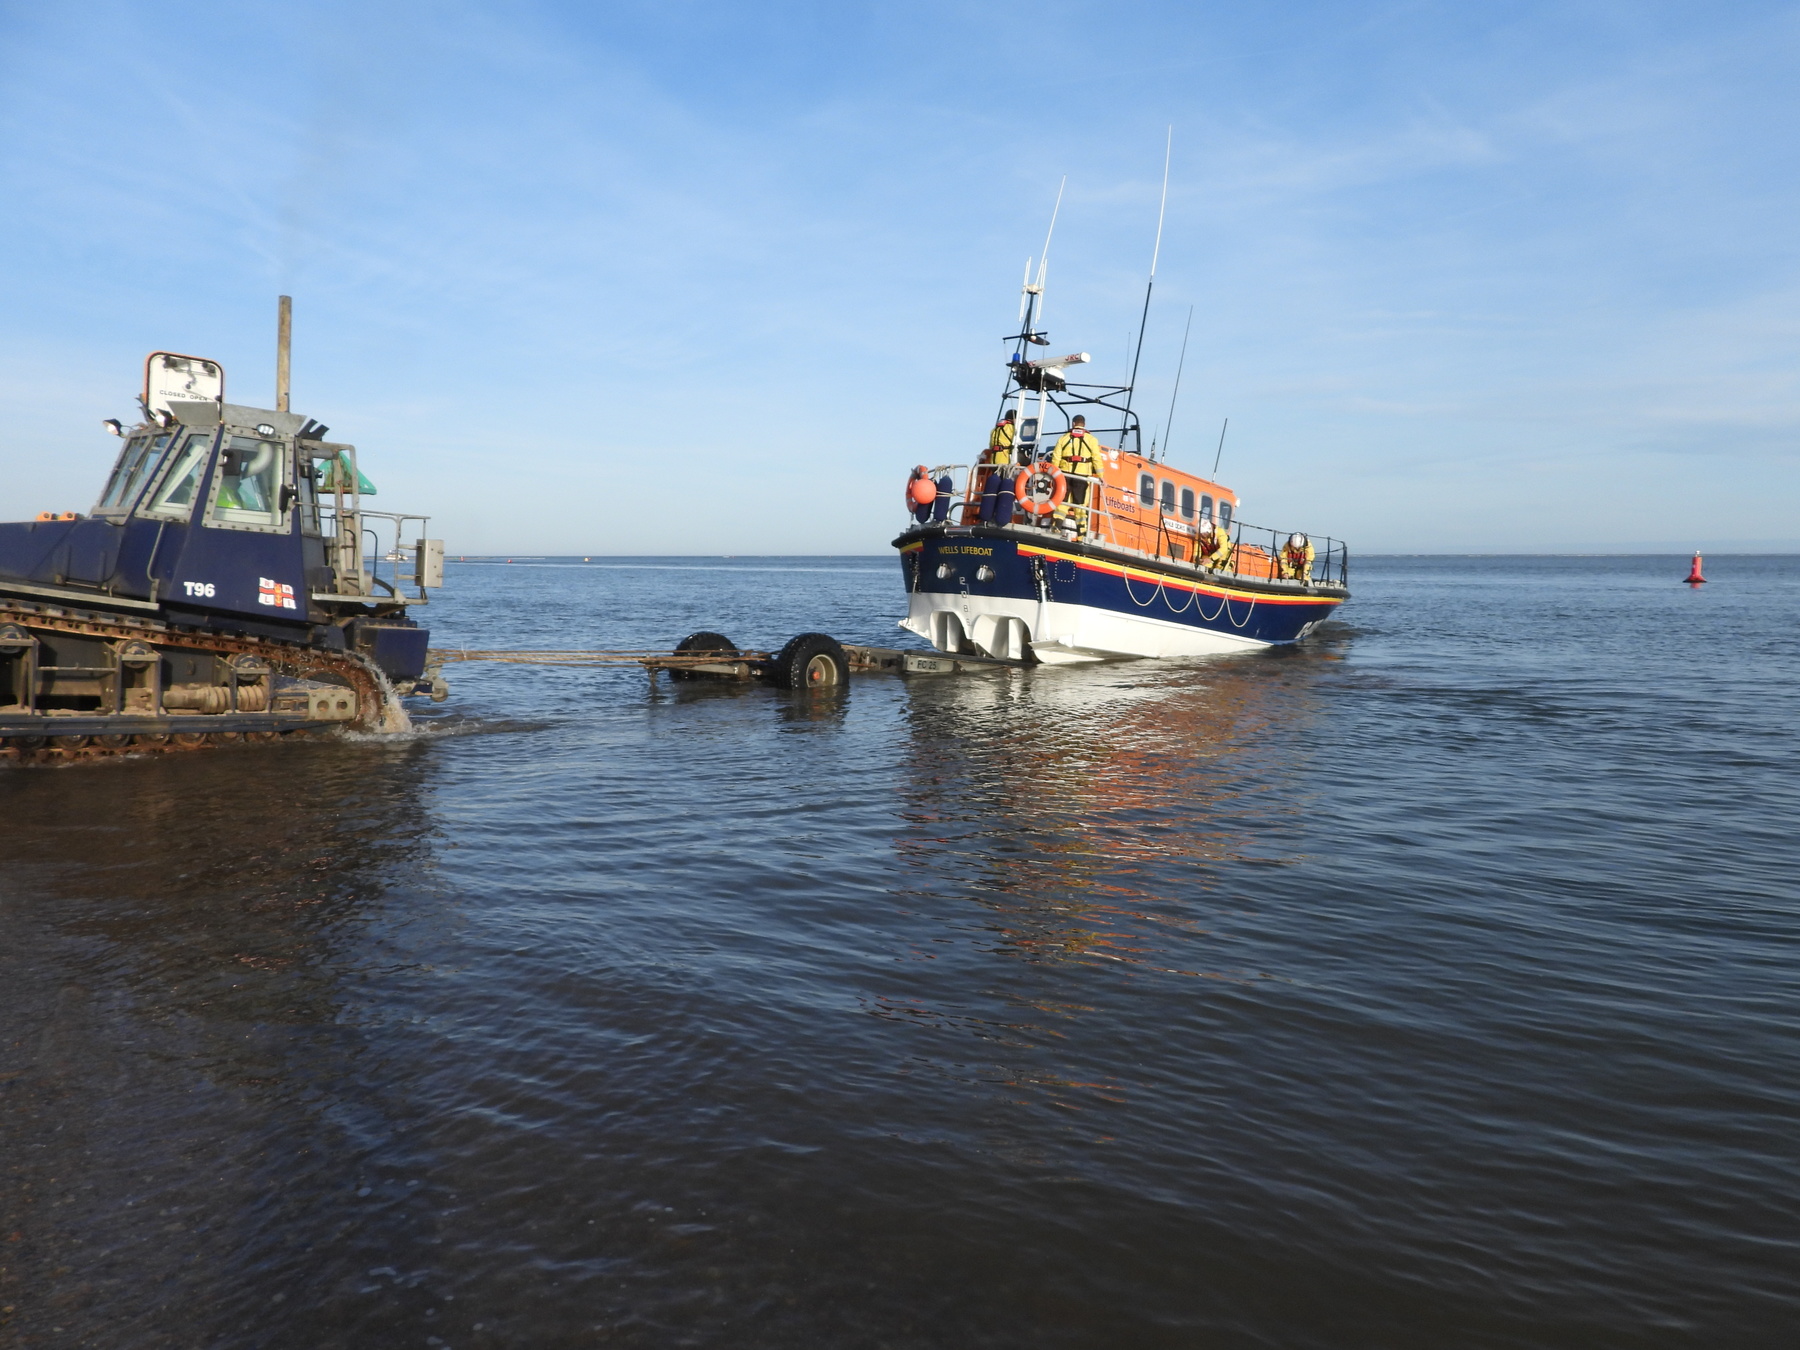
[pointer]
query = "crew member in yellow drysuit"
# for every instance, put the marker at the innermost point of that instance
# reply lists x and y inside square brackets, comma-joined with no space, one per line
[1000,441]
[1077,455]
[1297,558]
[995,464]
[1214,547]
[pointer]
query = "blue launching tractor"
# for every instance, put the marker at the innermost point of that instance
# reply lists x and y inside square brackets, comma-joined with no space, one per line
[227,585]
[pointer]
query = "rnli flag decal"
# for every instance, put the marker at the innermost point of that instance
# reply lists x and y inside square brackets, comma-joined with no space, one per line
[274,593]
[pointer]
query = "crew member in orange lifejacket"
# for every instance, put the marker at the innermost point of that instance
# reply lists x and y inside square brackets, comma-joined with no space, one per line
[1077,455]
[1296,560]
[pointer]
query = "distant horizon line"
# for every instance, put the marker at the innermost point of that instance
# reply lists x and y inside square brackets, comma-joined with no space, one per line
[1421,553]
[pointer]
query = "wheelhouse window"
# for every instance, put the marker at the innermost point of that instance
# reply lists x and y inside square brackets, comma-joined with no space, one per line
[1206,506]
[1187,503]
[1168,498]
[175,497]
[1147,489]
[249,482]
[1224,513]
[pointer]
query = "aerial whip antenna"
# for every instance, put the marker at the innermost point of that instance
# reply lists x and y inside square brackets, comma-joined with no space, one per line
[1031,295]
[1044,257]
[1155,253]
[1221,449]
[1031,312]
[1178,367]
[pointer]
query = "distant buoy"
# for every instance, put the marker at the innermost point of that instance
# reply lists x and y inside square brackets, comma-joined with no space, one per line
[1693,577]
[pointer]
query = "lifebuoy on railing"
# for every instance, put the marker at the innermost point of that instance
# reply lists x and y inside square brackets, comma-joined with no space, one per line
[1039,490]
[920,490]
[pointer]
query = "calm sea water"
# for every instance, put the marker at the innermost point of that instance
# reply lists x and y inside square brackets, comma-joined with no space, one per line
[1435,985]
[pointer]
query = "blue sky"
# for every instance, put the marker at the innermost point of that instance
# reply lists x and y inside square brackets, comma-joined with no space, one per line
[709,278]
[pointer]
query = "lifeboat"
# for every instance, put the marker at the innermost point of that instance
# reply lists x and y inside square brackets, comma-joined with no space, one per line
[1023,561]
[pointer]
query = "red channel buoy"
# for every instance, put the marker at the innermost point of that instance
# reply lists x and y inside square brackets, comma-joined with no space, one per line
[1693,577]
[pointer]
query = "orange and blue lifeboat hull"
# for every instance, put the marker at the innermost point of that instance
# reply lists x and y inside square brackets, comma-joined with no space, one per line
[1022,593]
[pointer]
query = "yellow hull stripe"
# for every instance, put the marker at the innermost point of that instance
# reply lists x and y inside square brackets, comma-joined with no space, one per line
[1172,583]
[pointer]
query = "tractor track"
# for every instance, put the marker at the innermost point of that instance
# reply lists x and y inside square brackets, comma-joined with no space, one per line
[293,659]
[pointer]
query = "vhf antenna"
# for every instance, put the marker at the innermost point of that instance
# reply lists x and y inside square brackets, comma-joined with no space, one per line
[1178,368]
[1031,302]
[1031,314]
[1155,253]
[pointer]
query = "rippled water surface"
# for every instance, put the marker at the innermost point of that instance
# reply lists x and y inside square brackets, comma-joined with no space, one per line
[1432,985]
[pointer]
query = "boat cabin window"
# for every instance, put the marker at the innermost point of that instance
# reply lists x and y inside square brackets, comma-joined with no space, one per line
[247,488]
[1206,506]
[176,495]
[1187,503]
[1224,513]
[1147,489]
[1168,498]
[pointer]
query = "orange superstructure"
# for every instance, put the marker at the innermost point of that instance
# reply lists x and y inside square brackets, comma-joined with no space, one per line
[1149,508]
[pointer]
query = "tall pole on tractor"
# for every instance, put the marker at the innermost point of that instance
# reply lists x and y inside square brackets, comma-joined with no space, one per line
[284,342]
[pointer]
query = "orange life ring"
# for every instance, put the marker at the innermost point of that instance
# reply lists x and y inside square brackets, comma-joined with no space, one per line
[920,490]
[1023,500]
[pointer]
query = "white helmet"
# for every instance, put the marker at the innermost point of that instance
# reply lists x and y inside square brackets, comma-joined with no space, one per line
[1297,542]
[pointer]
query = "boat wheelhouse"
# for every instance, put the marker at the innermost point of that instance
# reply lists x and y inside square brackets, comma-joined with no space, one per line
[1021,561]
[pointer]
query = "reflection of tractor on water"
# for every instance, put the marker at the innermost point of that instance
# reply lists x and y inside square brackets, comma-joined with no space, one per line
[226,586]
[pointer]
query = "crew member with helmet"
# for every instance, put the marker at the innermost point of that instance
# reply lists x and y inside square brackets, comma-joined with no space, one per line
[1077,457]
[1296,559]
[1214,547]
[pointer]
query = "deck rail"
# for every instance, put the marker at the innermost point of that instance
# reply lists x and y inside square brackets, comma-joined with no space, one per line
[1118,518]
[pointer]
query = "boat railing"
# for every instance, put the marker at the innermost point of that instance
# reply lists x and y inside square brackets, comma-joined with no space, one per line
[1117,518]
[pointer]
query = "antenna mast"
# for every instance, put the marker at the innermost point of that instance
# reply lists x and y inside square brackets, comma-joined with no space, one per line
[1155,253]
[1031,312]
[1034,295]
[1172,397]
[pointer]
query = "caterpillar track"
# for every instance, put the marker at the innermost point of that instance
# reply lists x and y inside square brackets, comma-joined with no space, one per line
[266,689]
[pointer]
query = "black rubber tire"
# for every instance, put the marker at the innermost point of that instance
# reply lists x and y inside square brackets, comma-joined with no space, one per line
[811,661]
[703,641]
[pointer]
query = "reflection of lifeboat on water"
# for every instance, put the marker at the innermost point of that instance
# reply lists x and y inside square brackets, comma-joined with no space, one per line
[1021,561]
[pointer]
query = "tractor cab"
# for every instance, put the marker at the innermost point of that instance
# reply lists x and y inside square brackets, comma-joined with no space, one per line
[235,518]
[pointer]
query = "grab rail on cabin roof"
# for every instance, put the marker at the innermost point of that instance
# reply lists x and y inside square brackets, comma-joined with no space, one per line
[1251,544]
